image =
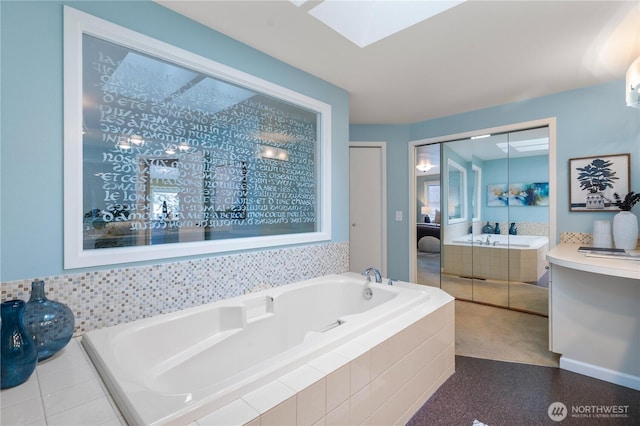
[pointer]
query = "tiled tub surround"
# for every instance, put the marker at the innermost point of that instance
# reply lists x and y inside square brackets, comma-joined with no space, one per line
[514,257]
[65,390]
[109,297]
[380,378]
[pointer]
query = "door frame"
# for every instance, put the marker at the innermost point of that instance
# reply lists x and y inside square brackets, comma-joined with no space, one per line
[383,152]
[549,122]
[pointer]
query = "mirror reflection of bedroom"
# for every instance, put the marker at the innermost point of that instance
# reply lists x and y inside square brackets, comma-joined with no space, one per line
[429,214]
[483,218]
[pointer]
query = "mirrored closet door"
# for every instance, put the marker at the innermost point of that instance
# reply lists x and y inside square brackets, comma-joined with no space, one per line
[492,221]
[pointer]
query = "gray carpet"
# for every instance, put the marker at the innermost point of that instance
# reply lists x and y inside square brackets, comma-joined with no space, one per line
[506,375]
[502,393]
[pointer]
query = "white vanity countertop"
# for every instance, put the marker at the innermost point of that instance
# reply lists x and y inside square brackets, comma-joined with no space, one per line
[567,255]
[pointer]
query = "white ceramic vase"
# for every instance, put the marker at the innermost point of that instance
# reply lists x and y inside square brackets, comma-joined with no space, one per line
[625,230]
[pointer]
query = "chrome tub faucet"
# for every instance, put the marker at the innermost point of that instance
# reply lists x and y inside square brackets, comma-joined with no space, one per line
[367,273]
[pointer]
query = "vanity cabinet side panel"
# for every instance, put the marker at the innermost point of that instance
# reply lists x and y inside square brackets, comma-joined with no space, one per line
[595,319]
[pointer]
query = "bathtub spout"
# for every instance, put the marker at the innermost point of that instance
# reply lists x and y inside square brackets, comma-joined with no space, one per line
[376,274]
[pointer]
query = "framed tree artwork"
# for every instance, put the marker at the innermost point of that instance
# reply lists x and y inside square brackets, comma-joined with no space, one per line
[593,181]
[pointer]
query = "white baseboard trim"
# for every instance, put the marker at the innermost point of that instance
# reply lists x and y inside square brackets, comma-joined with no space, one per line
[611,376]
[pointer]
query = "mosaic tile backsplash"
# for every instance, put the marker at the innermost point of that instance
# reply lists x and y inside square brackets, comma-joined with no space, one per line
[576,238]
[581,238]
[105,298]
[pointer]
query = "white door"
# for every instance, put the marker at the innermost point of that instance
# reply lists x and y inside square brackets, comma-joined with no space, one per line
[367,207]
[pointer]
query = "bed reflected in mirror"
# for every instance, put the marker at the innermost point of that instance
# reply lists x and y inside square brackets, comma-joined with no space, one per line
[429,214]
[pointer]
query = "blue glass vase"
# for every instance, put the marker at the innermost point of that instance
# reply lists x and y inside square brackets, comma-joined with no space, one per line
[49,323]
[18,353]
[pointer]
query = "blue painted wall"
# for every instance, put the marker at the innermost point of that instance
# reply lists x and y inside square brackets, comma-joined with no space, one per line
[31,210]
[590,121]
[397,191]
[514,170]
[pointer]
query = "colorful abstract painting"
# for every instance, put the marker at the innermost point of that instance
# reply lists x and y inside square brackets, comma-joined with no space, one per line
[498,195]
[518,194]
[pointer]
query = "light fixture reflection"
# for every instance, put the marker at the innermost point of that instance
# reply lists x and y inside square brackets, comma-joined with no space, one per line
[184,147]
[123,143]
[136,140]
[480,137]
[273,153]
[424,167]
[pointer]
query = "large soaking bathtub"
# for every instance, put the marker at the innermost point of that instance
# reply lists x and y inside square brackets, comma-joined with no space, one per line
[176,368]
[497,257]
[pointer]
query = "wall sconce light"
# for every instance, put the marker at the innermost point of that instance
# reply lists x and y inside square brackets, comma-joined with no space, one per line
[633,84]
[273,153]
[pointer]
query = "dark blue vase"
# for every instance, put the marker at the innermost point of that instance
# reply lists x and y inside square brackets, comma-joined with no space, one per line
[496,229]
[487,229]
[18,354]
[49,323]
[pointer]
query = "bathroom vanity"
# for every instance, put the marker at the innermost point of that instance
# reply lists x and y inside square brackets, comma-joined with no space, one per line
[594,315]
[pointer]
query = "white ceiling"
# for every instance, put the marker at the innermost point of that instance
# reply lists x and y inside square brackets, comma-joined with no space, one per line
[475,55]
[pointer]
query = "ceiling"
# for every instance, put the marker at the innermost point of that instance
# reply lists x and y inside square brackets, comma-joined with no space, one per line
[475,55]
[514,144]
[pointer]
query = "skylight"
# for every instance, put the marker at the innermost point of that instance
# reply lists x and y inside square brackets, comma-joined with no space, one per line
[183,87]
[541,144]
[365,22]
[133,71]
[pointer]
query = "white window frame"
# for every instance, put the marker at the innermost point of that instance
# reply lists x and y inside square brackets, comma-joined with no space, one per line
[463,192]
[76,24]
[477,192]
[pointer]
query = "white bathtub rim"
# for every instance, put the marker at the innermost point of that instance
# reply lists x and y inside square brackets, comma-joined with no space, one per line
[204,405]
[503,241]
[157,369]
[138,393]
[123,331]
